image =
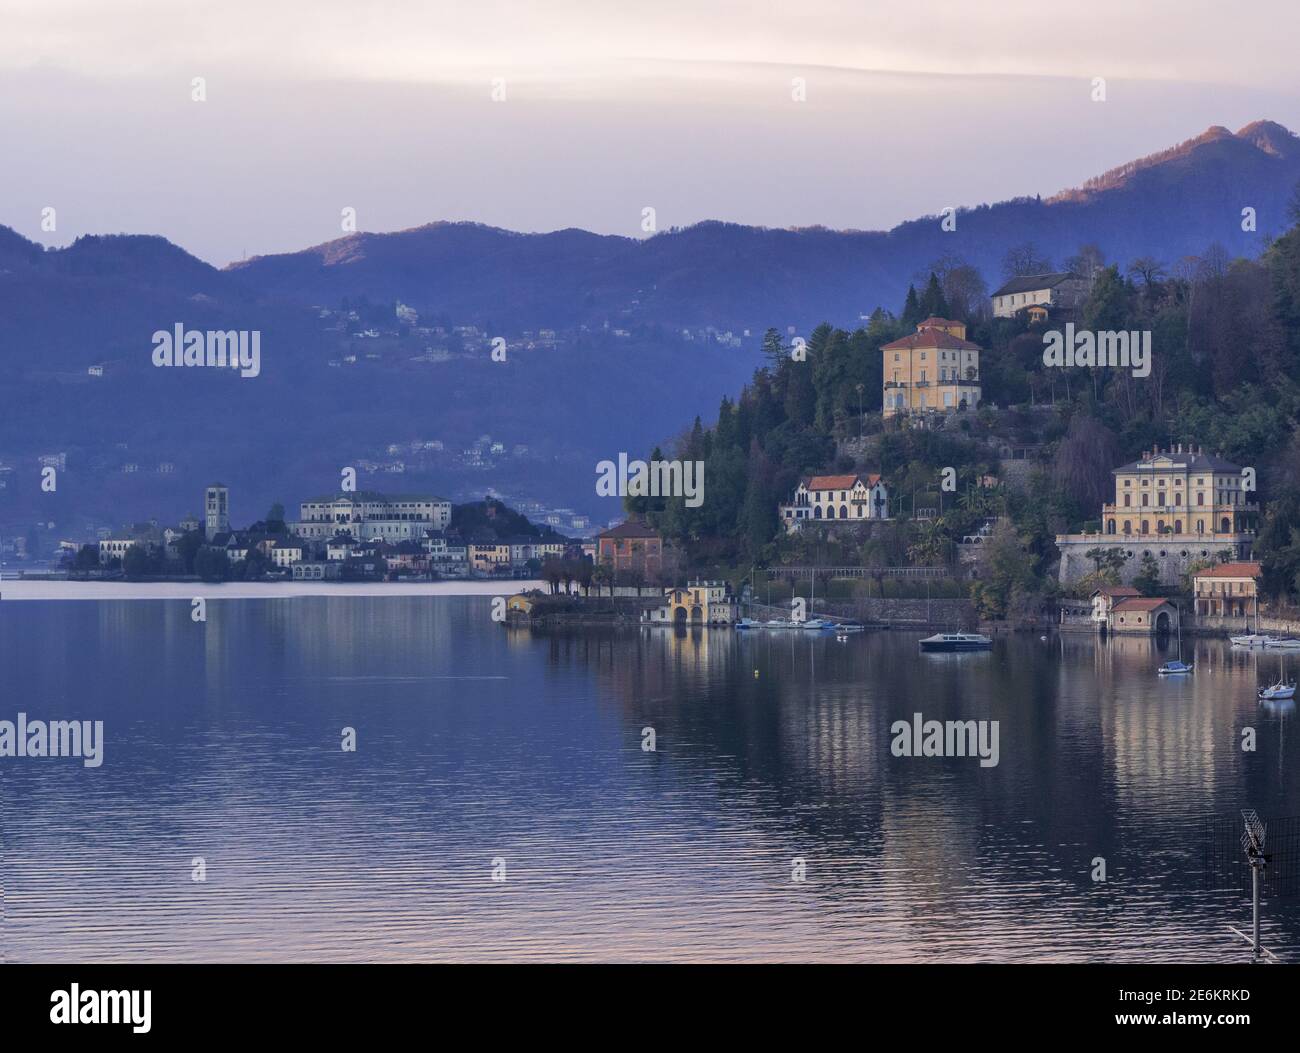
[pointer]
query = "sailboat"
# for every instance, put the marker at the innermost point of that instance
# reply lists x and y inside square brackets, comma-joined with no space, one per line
[1255,639]
[1177,668]
[1280,691]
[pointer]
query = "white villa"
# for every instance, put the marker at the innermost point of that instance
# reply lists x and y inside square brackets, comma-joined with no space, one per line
[838,497]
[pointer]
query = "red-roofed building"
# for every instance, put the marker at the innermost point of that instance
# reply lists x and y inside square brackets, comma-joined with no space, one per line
[851,497]
[1147,615]
[631,546]
[1229,590]
[935,369]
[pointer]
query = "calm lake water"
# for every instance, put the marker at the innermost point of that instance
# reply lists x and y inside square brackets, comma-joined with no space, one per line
[478,743]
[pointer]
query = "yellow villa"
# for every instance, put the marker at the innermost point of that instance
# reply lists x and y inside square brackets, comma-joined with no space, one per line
[1179,492]
[1176,506]
[935,369]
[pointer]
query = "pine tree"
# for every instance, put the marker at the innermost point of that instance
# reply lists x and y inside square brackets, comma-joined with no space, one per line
[911,310]
[933,303]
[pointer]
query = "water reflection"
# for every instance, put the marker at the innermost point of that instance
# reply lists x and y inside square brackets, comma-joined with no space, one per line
[477,741]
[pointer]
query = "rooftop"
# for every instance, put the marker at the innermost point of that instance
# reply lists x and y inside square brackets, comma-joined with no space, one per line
[1033,282]
[1249,569]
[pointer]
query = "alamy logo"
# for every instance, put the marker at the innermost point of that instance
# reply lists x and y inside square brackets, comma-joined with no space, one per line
[239,349]
[57,738]
[76,1006]
[949,738]
[653,479]
[1123,350]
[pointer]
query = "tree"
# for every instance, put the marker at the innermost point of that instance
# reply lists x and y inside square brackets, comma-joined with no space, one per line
[1147,579]
[136,563]
[1024,259]
[552,572]
[933,303]
[211,564]
[87,558]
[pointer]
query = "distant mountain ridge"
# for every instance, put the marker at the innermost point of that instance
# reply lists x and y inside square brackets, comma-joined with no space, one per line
[1170,204]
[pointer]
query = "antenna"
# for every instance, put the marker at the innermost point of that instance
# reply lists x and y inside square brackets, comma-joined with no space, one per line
[1235,859]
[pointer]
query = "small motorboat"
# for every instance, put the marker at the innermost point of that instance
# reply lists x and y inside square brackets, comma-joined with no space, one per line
[1175,669]
[816,624]
[956,642]
[748,623]
[851,626]
[1250,640]
[1282,643]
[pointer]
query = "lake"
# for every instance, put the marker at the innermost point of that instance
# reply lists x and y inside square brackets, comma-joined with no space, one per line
[486,753]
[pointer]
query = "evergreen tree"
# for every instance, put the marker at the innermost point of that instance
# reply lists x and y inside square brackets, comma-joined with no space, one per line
[911,310]
[933,304]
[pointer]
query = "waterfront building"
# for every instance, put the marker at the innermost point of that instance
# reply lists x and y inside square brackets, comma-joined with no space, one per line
[1104,600]
[369,515]
[1145,615]
[1230,590]
[1178,506]
[935,369]
[489,556]
[317,570]
[699,603]
[839,497]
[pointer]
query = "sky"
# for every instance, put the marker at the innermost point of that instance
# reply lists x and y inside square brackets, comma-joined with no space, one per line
[848,115]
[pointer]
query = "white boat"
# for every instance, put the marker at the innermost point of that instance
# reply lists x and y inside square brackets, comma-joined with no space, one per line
[1250,640]
[1282,643]
[956,642]
[1283,689]
[1177,667]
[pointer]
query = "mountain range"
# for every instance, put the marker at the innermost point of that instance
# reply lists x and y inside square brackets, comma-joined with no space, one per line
[620,375]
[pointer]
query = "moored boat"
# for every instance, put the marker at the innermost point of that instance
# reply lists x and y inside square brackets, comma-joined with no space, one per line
[1175,669]
[956,642]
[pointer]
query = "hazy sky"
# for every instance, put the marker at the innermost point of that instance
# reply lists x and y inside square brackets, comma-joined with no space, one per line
[386,107]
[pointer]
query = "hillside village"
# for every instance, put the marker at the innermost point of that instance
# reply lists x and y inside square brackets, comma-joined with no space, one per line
[1035,494]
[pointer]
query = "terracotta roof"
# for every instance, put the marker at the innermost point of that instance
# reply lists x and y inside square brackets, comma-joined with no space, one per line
[1118,590]
[629,528]
[1232,570]
[1146,603]
[934,319]
[839,482]
[936,339]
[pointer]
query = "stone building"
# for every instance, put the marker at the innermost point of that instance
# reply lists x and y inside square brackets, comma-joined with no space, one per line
[1178,506]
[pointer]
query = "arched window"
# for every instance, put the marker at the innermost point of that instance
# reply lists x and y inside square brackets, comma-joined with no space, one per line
[1146,526]
[1225,526]
[844,511]
[1110,526]
[817,512]
[1128,527]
